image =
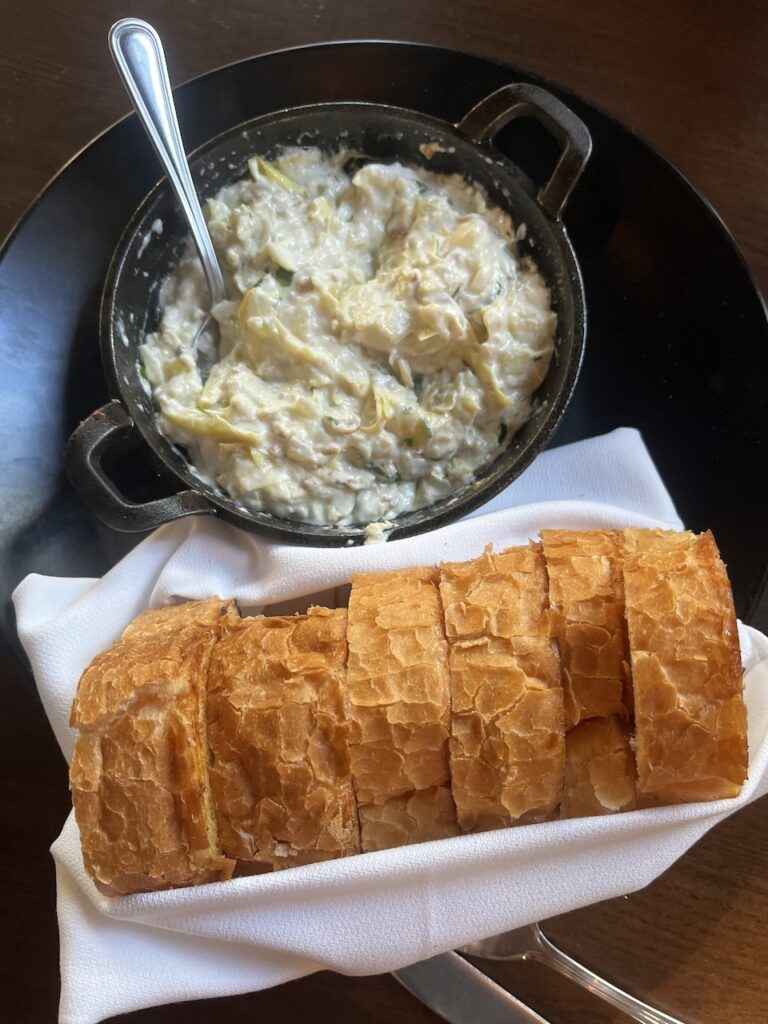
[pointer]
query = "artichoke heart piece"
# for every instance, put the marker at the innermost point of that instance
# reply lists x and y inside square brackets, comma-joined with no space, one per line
[421,433]
[380,411]
[260,299]
[376,410]
[327,294]
[213,394]
[425,343]
[485,375]
[259,167]
[272,329]
[378,315]
[206,423]
[253,303]
[320,210]
[182,364]
[414,435]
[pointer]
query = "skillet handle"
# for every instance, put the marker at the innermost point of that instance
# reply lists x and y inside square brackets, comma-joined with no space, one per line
[82,464]
[520,99]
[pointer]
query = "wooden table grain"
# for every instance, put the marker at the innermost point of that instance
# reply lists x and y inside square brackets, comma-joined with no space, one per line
[693,79]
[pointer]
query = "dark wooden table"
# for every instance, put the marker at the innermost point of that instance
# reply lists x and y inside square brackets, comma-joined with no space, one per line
[689,76]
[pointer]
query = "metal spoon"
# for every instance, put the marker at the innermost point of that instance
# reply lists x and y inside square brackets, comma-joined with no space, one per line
[530,943]
[138,54]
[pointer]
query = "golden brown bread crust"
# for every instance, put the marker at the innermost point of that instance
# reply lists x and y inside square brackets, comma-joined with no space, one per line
[507,729]
[206,613]
[686,667]
[280,761]
[600,770]
[278,738]
[586,598]
[398,693]
[416,817]
[138,774]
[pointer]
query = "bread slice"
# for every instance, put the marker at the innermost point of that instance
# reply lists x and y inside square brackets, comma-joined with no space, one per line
[277,733]
[507,727]
[206,613]
[416,817]
[691,741]
[600,772]
[138,774]
[586,598]
[397,684]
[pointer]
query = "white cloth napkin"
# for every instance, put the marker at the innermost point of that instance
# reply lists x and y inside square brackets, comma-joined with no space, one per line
[375,912]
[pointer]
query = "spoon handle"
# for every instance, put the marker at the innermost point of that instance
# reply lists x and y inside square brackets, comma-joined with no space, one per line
[549,954]
[138,54]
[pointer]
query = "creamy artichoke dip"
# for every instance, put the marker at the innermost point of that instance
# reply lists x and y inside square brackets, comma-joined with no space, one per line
[381,345]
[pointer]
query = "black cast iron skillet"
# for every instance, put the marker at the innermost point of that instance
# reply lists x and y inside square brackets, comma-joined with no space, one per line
[144,257]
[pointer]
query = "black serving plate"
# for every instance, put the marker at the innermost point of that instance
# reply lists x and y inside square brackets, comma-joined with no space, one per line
[677,343]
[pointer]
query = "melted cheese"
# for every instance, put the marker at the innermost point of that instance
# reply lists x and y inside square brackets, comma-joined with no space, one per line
[381,345]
